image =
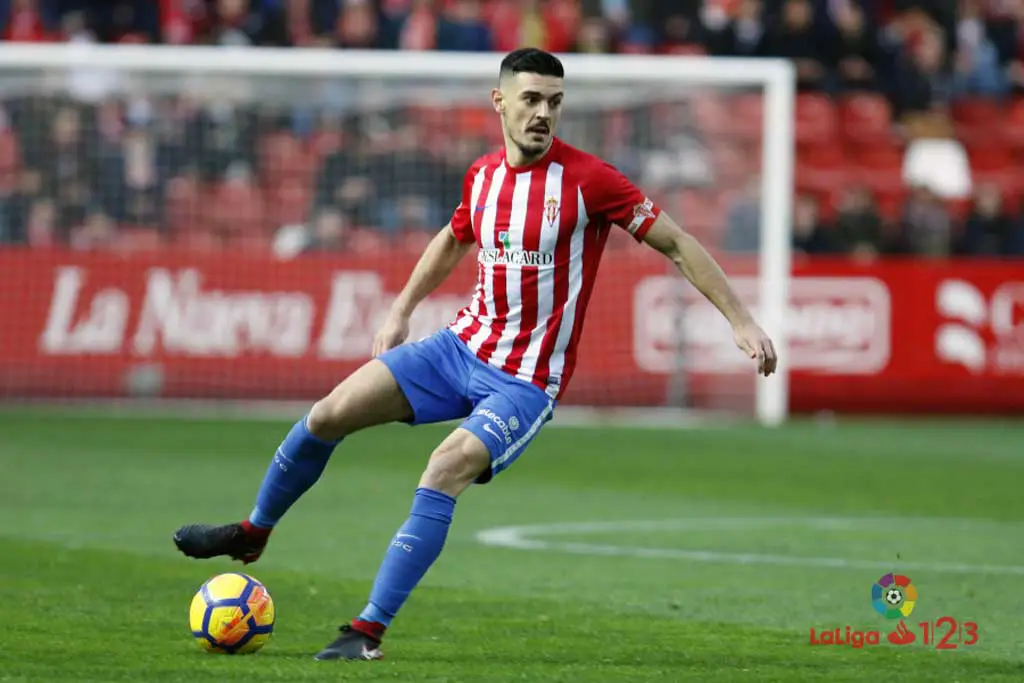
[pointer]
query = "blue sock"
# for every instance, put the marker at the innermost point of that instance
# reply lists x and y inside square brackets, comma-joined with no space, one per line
[297,465]
[413,549]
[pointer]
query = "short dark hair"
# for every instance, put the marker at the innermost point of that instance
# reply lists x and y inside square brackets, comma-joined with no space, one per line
[532,61]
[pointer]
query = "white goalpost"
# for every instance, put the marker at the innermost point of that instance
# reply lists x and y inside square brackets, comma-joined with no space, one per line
[309,86]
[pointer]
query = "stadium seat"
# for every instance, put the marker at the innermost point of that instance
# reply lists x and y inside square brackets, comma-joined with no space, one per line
[712,114]
[182,203]
[368,241]
[746,116]
[1013,130]
[10,160]
[138,239]
[815,119]
[820,167]
[879,167]
[979,123]
[237,208]
[288,203]
[865,118]
[990,158]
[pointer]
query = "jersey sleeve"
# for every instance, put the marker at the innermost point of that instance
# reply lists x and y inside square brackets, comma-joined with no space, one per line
[613,197]
[462,219]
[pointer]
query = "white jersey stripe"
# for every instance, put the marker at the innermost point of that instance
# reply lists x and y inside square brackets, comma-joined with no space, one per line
[488,241]
[545,277]
[568,324]
[513,275]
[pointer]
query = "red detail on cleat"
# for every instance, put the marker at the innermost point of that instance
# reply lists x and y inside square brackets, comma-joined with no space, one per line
[370,628]
[255,531]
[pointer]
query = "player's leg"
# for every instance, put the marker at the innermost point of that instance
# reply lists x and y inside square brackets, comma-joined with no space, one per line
[489,440]
[412,383]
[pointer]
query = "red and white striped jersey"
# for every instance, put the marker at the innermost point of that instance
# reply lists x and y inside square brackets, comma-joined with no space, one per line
[541,230]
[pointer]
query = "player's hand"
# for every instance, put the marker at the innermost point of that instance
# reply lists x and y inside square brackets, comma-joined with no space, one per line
[758,346]
[392,334]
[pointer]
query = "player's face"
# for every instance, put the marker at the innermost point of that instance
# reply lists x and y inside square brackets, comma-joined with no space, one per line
[530,106]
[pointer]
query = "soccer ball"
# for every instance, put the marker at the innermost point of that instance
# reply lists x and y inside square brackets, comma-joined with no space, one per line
[232,614]
[894,596]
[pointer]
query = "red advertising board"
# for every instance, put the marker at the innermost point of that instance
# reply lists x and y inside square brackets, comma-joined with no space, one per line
[893,336]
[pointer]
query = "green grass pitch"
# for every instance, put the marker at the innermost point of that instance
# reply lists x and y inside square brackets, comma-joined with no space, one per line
[728,546]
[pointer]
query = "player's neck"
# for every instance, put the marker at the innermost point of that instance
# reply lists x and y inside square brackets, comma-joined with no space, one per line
[515,157]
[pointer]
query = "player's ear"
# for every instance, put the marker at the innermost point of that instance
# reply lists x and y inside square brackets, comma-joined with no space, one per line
[498,100]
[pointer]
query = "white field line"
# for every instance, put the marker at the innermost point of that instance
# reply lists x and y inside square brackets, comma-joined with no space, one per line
[529,538]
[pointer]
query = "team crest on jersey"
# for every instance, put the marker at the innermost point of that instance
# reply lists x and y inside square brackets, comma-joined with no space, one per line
[551,210]
[505,239]
[641,212]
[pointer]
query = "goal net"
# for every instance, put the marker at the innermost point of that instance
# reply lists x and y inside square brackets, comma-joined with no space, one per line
[233,223]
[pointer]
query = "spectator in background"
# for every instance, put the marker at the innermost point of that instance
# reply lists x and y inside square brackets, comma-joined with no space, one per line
[26,21]
[408,179]
[810,235]
[594,37]
[859,228]
[744,34]
[989,229]
[345,180]
[856,54]
[330,232]
[97,231]
[977,69]
[923,82]
[67,169]
[795,39]
[462,28]
[743,223]
[926,228]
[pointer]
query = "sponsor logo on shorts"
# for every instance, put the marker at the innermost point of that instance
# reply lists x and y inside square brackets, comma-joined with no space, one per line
[505,427]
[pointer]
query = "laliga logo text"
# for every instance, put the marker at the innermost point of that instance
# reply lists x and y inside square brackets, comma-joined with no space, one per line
[893,596]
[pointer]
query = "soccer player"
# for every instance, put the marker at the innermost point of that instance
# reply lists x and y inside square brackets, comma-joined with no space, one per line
[538,214]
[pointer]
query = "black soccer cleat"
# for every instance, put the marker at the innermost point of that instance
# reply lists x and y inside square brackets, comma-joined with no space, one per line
[238,541]
[354,644]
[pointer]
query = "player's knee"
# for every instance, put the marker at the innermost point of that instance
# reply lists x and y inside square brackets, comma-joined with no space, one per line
[329,417]
[454,465]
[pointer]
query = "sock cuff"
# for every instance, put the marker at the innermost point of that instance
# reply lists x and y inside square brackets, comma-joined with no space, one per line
[433,505]
[310,435]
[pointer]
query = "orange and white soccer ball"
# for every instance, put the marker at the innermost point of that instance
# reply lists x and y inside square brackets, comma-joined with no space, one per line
[232,614]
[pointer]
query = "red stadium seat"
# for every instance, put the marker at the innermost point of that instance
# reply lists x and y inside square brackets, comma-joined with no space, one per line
[879,167]
[816,120]
[979,123]
[865,118]
[746,114]
[368,241]
[288,203]
[182,205]
[10,160]
[712,113]
[995,158]
[138,239]
[237,208]
[1013,130]
[820,167]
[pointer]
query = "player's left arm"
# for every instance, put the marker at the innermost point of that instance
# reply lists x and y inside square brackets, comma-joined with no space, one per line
[615,197]
[701,269]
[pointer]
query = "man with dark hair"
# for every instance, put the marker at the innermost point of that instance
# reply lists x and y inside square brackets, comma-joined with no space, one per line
[538,213]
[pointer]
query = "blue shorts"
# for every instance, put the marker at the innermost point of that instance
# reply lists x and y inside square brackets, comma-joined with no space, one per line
[443,380]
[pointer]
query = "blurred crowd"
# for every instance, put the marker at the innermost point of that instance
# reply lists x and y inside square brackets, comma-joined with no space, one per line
[909,122]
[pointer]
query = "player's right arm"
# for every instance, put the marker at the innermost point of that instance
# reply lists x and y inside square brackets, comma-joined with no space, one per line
[437,262]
